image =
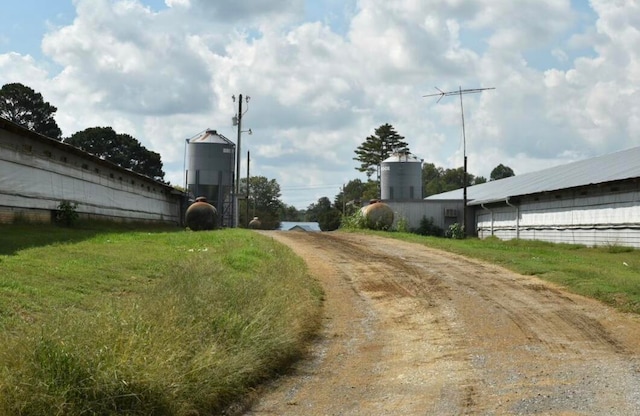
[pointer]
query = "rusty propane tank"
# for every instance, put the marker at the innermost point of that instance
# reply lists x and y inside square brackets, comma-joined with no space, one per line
[201,215]
[378,215]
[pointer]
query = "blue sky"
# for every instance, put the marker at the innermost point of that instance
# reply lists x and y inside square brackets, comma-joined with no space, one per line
[324,74]
[25,22]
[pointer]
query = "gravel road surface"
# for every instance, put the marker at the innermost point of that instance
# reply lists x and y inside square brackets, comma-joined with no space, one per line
[409,330]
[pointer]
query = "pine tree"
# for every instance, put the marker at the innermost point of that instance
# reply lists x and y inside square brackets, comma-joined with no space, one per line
[376,148]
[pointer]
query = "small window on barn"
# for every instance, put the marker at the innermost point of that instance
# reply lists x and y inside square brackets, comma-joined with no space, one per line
[96,170]
[63,159]
[47,153]
[119,178]
[27,148]
[85,166]
[111,175]
[133,182]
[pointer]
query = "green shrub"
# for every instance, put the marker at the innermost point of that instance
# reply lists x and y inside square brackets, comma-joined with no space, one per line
[355,221]
[455,231]
[67,214]
[427,227]
[403,225]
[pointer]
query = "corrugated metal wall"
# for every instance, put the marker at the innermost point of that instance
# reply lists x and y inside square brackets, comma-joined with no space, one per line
[36,174]
[601,216]
[444,213]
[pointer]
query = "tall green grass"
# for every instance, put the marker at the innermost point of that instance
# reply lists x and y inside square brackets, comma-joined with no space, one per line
[163,323]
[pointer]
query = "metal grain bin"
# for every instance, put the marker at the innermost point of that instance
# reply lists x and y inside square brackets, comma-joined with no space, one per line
[210,171]
[401,177]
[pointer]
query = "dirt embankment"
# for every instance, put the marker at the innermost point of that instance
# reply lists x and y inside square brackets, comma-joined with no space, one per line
[414,331]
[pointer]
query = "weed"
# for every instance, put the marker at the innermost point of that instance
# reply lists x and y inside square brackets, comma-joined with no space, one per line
[455,231]
[67,214]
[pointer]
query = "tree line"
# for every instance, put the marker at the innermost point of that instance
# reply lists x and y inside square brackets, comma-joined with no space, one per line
[26,107]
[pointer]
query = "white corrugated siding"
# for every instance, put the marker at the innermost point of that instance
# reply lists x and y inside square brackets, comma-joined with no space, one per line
[611,219]
[31,182]
[413,211]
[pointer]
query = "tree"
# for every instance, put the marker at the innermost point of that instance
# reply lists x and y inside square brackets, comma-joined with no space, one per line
[314,210]
[376,148]
[479,179]
[290,213]
[264,201]
[350,197]
[22,105]
[431,179]
[327,216]
[437,180]
[501,172]
[121,149]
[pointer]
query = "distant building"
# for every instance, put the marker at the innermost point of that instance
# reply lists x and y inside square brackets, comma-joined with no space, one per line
[299,226]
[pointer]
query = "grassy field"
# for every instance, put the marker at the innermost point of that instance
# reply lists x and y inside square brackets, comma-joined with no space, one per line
[610,274]
[168,322]
[163,322]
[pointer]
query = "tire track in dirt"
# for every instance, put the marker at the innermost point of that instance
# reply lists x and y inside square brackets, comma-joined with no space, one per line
[412,330]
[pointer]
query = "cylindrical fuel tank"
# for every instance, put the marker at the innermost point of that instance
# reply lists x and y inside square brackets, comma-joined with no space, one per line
[378,215]
[255,223]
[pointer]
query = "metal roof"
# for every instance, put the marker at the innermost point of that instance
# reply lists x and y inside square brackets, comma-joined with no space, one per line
[402,157]
[307,226]
[210,136]
[617,166]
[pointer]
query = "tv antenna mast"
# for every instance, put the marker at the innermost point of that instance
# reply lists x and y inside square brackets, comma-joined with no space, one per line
[460,92]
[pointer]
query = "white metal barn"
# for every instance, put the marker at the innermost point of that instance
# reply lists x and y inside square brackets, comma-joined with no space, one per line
[37,173]
[591,202]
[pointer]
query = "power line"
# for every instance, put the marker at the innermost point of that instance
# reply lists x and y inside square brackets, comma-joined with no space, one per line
[312,187]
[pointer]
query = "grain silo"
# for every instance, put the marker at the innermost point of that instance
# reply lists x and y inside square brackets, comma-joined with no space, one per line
[401,177]
[210,172]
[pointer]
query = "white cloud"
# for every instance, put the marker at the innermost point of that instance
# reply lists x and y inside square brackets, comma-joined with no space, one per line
[178,3]
[318,92]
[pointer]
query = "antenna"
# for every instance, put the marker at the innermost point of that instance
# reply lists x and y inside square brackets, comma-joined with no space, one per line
[460,92]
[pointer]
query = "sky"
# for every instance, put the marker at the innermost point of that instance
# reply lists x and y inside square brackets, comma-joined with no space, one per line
[324,74]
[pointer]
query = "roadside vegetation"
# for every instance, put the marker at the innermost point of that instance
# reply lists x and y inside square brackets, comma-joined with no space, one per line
[155,321]
[610,274]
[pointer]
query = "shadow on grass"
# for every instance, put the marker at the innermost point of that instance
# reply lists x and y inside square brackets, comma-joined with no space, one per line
[16,237]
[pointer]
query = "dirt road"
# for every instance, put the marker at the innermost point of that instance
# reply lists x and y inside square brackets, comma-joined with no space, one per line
[414,331]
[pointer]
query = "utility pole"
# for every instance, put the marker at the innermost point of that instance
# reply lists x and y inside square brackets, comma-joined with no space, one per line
[459,92]
[247,207]
[237,121]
